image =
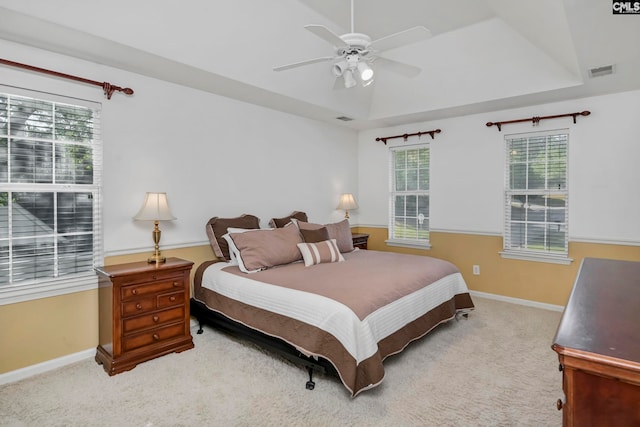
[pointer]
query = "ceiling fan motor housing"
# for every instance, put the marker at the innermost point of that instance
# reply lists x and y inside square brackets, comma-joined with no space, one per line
[354,42]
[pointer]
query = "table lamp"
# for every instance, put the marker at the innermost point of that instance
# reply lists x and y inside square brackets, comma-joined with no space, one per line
[347,203]
[155,208]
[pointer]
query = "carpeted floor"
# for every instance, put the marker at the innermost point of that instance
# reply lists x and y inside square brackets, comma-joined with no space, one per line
[495,368]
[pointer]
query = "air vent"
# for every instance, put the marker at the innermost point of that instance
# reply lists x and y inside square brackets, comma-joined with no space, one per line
[344,118]
[601,71]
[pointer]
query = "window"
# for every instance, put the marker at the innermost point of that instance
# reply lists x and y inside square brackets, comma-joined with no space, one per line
[409,196]
[536,196]
[50,177]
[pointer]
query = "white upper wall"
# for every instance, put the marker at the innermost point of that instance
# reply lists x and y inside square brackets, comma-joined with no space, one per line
[214,156]
[467,168]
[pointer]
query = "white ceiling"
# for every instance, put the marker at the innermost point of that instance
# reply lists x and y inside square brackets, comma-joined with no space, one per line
[484,54]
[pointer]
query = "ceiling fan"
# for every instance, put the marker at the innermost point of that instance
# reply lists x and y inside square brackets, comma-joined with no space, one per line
[356,52]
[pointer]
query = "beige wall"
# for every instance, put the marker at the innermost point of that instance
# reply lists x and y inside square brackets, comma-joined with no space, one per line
[36,331]
[44,329]
[534,281]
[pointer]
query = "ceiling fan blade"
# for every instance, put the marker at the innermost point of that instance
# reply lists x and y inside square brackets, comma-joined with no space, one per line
[326,34]
[397,67]
[302,63]
[403,38]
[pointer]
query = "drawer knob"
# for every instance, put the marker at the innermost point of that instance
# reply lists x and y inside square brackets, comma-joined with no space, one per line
[176,284]
[134,291]
[156,318]
[172,298]
[139,306]
[156,337]
[154,277]
[559,404]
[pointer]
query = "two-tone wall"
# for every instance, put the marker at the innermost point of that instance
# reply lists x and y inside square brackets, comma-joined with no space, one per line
[214,156]
[467,192]
[525,280]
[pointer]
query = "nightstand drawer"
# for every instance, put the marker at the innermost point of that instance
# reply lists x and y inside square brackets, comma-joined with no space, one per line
[155,276]
[168,300]
[141,289]
[139,306]
[154,336]
[152,302]
[152,320]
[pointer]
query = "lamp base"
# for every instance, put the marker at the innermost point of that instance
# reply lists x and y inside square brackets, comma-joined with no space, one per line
[156,259]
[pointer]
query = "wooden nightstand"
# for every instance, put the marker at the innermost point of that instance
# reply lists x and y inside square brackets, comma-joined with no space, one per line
[144,312]
[360,240]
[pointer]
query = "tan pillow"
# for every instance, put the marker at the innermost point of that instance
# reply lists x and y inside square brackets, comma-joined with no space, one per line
[281,222]
[320,252]
[261,249]
[340,231]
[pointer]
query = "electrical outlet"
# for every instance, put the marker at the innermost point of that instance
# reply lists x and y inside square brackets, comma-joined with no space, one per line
[476,270]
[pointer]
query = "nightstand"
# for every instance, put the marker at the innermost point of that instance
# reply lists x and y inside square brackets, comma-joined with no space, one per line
[143,312]
[360,240]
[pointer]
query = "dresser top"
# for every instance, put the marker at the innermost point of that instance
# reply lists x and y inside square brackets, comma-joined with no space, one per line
[142,267]
[602,315]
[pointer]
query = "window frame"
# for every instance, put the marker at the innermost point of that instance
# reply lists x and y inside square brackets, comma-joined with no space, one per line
[392,240]
[529,254]
[76,282]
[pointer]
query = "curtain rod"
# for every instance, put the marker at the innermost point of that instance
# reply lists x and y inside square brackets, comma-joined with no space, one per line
[407,135]
[537,119]
[107,87]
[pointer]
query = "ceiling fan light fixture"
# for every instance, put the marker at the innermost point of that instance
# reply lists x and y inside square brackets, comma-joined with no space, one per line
[339,68]
[366,73]
[349,80]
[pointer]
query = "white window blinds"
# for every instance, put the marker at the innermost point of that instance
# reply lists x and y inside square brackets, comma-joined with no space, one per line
[409,194]
[50,182]
[536,194]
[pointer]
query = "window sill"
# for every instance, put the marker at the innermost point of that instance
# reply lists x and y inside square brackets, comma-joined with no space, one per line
[21,293]
[408,244]
[537,257]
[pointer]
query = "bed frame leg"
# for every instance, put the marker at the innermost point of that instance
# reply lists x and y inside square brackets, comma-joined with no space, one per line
[463,314]
[200,330]
[310,384]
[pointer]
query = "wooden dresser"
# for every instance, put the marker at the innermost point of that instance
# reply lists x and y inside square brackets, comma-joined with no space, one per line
[144,312]
[598,344]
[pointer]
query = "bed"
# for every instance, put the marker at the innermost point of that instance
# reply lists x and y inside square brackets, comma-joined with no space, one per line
[324,304]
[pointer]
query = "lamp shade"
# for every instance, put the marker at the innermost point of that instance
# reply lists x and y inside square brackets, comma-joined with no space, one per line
[347,202]
[155,208]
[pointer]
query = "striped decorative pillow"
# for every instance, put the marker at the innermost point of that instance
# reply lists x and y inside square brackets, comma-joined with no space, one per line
[320,252]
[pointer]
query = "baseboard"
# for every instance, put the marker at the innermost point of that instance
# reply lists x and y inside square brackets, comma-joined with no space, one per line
[49,365]
[20,374]
[519,301]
